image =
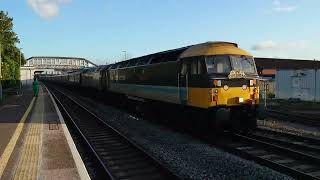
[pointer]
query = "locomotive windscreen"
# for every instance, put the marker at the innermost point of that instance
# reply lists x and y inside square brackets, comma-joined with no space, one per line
[226,63]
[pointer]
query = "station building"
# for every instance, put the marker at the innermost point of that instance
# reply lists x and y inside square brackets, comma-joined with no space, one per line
[291,78]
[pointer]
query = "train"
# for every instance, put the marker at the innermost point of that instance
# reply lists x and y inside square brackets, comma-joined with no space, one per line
[216,78]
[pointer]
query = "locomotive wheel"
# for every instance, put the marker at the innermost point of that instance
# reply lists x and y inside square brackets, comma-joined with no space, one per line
[248,121]
[221,119]
[252,123]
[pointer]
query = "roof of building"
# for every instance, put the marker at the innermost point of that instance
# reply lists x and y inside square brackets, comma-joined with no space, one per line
[275,63]
[60,57]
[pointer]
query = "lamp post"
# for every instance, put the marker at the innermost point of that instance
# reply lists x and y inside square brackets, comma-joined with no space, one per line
[20,49]
[125,55]
[315,81]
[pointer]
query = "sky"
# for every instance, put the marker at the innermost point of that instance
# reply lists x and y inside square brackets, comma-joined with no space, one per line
[103,31]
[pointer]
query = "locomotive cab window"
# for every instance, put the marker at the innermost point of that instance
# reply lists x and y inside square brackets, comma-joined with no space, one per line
[223,64]
[243,63]
[218,64]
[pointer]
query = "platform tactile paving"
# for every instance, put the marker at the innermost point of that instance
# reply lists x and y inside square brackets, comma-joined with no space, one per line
[27,168]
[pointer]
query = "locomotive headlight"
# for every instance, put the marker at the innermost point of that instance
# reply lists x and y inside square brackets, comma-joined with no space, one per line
[225,87]
[251,82]
[216,92]
[244,87]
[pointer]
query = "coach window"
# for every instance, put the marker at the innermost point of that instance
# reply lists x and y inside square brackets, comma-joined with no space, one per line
[157,59]
[132,62]
[123,64]
[112,66]
[143,61]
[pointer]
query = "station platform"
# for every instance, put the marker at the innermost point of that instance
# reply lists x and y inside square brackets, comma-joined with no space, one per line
[34,140]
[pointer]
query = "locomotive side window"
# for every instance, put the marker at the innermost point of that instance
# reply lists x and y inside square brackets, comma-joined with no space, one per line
[194,67]
[184,69]
[200,67]
[197,66]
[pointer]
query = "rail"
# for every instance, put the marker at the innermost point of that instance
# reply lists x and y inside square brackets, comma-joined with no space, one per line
[284,116]
[292,158]
[120,157]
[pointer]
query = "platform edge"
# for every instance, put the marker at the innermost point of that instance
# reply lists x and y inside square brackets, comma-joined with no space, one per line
[82,171]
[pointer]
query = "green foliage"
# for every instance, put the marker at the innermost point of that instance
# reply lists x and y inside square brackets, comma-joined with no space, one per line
[271,95]
[10,54]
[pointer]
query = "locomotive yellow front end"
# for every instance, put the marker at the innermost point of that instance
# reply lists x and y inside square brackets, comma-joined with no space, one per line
[226,85]
[234,102]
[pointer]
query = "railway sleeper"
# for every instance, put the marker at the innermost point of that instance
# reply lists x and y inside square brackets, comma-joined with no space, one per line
[123,161]
[119,156]
[137,174]
[133,166]
[115,152]
[112,147]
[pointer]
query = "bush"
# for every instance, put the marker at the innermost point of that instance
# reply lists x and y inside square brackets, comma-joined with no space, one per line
[271,95]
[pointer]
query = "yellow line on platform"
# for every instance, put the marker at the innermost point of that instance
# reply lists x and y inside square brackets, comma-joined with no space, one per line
[28,164]
[12,143]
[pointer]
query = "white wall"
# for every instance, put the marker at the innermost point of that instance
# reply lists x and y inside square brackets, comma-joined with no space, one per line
[298,84]
[27,74]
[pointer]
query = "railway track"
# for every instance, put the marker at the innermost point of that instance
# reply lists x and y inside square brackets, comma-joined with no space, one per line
[118,156]
[290,154]
[302,119]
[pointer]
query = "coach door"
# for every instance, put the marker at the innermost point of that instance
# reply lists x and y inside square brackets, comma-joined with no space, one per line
[183,81]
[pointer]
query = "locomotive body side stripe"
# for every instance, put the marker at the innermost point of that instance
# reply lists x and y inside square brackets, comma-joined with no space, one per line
[161,93]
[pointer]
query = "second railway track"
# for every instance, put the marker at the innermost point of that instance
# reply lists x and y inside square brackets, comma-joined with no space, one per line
[290,154]
[302,119]
[120,157]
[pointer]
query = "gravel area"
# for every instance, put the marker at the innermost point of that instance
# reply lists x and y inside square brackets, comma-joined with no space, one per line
[187,156]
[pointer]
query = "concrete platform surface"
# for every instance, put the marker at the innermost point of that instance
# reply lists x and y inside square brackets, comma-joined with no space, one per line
[35,142]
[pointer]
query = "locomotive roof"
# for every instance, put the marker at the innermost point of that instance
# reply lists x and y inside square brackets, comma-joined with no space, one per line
[214,48]
[208,48]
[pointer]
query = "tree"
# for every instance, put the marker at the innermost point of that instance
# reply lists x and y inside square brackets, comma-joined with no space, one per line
[10,54]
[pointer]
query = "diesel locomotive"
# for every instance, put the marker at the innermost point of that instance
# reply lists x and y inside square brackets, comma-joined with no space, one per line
[216,78]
